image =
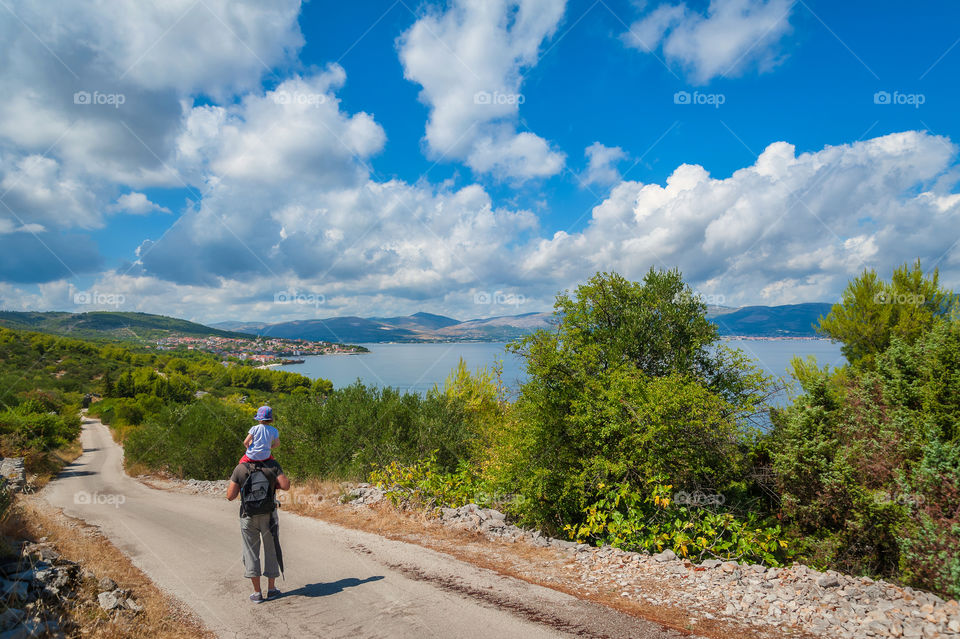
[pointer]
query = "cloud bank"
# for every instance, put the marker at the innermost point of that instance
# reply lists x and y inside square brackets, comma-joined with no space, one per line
[125,97]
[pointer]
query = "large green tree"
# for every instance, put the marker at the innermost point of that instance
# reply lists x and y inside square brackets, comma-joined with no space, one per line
[873,312]
[630,383]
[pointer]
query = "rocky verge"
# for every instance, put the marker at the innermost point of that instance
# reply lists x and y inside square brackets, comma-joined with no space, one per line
[12,474]
[798,600]
[794,600]
[40,590]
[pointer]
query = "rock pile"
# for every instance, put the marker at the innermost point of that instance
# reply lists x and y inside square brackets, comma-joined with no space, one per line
[37,586]
[11,470]
[113,598]
[211,487]
[493,524]
[194,486]
[789,600]
[364,495]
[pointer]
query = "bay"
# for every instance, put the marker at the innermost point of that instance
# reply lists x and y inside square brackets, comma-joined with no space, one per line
[418,367]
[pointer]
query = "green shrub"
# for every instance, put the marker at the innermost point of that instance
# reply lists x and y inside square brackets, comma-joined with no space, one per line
[481,395]
[867,462]
[122,413]
[872,312]
[352,429]
[201,440]
[650,519]
[930,540]
[424,484]
[24,430]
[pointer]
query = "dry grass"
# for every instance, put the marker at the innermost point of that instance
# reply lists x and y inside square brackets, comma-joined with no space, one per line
[44,466]
[542,566]
[33,519]
[135,469]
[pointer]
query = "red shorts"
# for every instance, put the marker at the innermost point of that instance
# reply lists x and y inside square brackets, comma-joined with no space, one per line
[245,459]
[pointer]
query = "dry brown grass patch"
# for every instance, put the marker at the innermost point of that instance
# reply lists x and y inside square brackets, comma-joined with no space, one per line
[42,467]
[135,469]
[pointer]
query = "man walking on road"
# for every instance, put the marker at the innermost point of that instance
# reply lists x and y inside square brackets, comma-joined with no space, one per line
[256,483]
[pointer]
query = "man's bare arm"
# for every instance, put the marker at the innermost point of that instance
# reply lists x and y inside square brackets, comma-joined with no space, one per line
[233,489]
[283,482]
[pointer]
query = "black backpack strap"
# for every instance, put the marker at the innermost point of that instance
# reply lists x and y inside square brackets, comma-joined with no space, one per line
[251,466]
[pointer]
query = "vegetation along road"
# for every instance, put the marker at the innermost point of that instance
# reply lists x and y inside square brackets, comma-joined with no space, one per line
[343,583]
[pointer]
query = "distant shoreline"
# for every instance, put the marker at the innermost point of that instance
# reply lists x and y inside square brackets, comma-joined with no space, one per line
[777,338]
[760,338]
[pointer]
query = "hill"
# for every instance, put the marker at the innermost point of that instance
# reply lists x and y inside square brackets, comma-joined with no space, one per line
[418,322]
[339,329]
[792,320]
[419,327]
[498,329]
[109,324]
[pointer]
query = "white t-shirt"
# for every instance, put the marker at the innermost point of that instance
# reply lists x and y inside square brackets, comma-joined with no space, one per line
[263,437]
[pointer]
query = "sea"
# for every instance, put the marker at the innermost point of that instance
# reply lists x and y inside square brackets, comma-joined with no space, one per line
[419,367]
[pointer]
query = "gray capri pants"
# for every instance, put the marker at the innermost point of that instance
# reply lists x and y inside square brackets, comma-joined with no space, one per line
[253,529]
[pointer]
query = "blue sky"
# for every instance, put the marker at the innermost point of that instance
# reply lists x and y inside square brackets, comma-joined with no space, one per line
[217,160]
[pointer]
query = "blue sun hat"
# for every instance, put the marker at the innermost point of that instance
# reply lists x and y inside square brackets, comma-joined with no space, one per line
[264,414]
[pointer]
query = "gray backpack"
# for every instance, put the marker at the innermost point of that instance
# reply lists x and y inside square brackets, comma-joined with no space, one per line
[256,494]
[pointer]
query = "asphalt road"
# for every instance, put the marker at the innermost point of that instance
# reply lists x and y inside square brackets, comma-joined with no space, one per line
[339,582]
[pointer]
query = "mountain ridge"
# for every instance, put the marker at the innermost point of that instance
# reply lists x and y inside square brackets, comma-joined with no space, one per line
[116,324]
[789,320]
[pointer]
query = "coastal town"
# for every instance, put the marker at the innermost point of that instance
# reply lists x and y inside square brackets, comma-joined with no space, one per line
[262,350]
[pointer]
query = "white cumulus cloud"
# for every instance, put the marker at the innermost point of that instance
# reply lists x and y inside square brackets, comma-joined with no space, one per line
[791,227]
[288,198]
[137,204]
[470,60]
[602,164]
[728,38]
[102,87]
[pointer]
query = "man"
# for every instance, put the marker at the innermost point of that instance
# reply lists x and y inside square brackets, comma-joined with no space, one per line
[257,527]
